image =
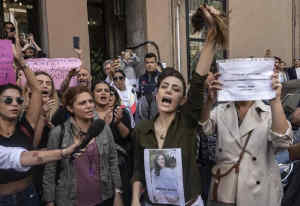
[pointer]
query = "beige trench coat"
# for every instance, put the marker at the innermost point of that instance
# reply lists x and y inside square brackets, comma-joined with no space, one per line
[258,181]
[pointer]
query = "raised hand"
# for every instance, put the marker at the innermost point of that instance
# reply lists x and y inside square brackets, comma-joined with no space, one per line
[213,86]
[109,116]
[118,115]
[276,85]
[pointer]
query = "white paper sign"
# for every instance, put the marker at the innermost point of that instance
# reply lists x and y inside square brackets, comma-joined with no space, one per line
[163,171]
[246,79]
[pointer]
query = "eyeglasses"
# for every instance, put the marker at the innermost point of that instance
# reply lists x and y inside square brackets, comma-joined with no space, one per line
[118,78]
[9,100]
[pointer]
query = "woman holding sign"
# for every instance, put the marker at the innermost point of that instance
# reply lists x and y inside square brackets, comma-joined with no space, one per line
[174,127]
[16,188]
[248,135]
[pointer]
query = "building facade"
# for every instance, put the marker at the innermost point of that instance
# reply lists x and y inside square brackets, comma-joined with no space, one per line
[110,26]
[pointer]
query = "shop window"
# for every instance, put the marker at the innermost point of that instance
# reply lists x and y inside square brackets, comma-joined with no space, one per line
[196,40]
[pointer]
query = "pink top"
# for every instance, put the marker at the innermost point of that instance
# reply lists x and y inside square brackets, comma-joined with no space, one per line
[87,168]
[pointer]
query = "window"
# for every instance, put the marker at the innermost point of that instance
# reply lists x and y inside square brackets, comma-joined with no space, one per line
[195,41]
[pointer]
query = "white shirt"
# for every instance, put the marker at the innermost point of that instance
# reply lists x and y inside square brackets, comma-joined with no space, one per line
[10,158]
[298,72]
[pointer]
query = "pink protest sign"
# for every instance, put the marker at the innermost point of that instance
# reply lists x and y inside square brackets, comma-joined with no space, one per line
[7,73]
[58,68]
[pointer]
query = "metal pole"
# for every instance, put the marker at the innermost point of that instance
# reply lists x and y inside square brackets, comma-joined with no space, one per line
[293,31]
[1,17]
[187,8]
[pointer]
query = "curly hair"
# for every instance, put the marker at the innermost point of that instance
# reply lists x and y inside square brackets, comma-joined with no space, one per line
[70,95]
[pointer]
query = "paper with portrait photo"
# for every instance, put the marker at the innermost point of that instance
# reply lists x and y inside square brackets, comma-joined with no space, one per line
[246,79]
[163,171]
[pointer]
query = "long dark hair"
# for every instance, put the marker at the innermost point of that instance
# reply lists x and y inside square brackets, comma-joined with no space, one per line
[157,167]
[113,91]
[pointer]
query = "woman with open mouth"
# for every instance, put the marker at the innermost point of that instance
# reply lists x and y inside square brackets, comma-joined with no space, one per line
[50,104]
[174,126]
[91,179]
[108,108]
[16,188]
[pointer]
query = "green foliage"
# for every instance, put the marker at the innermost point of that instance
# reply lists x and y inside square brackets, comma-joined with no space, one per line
[97,59]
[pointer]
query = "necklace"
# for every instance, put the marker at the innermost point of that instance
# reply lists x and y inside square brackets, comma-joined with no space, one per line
[160,132]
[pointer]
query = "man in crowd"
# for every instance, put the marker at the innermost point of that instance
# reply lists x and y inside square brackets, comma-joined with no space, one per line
[10,31]
[146,108]
[148,81]
[31,49]
[108,71]
[83,77]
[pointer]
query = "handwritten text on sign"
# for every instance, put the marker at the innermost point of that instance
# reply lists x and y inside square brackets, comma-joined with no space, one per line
[7,73]
[58,68]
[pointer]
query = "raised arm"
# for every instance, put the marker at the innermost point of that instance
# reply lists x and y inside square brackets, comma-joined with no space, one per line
[35,103]
[279,122]
[208,51]
[65,84]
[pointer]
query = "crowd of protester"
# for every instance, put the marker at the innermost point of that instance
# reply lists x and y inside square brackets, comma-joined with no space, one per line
[155,110]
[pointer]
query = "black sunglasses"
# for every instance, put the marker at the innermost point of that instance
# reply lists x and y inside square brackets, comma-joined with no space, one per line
[118,78]
[9,100]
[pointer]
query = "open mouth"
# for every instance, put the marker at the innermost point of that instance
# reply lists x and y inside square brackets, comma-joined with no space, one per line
[45,92]
[103,98]
[82,82]
[166,100]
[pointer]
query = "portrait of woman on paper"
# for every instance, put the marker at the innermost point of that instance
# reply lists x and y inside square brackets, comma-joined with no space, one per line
[164,179]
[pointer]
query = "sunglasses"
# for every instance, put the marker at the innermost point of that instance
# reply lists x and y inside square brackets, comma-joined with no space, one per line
[9,100]
[118,78]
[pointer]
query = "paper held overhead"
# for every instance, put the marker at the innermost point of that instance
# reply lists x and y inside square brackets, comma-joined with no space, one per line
[246,79]
[58,68]
[7,72]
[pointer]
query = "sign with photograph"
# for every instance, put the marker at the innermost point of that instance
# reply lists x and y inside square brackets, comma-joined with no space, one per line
[163,171]
[246,79]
